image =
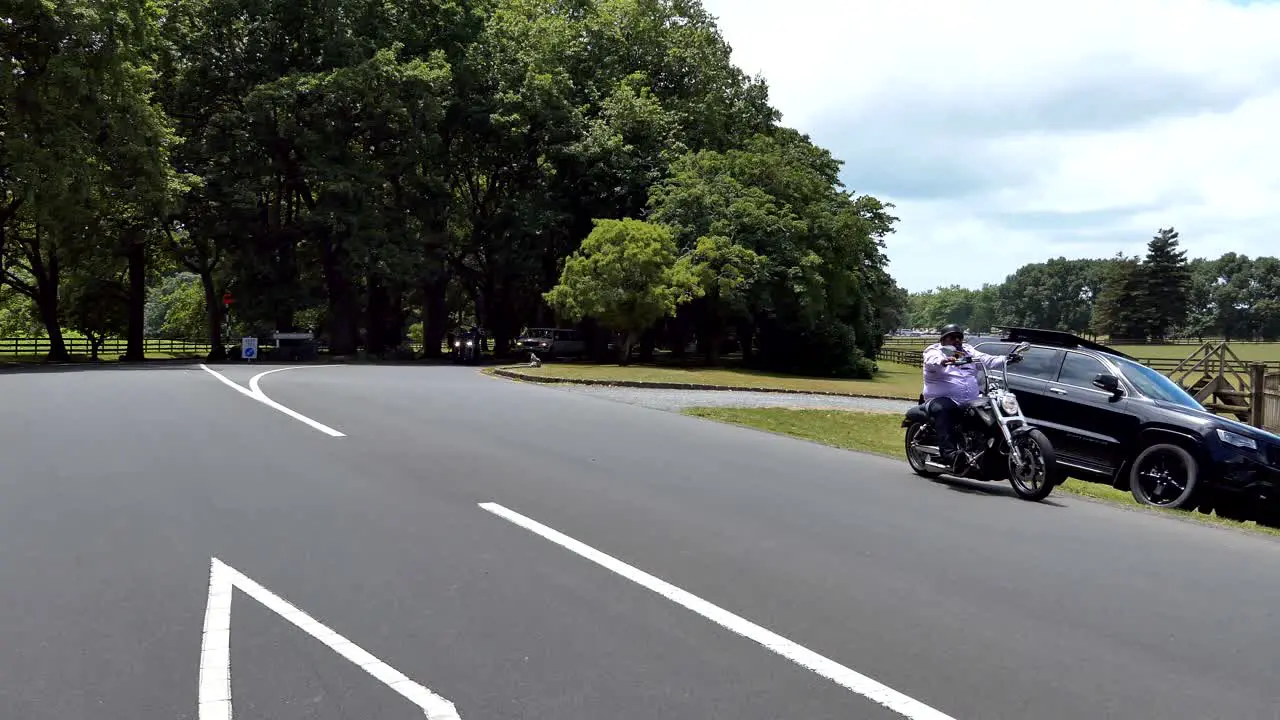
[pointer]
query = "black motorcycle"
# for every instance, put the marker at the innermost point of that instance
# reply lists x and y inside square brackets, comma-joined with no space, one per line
[995,441]
[466,350]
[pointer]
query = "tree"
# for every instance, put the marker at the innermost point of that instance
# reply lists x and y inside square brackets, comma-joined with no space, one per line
[417,161]
[1166,281]
[1118,310]
[97,308]
[176,308]
[626,276]
[1056,295]
[85,150]
[816,301]
[725,274]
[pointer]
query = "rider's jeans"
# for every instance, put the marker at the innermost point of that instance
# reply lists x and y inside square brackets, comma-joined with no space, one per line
[946,420]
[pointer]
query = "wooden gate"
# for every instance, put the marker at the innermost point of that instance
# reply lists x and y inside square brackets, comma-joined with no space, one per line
[1271,402]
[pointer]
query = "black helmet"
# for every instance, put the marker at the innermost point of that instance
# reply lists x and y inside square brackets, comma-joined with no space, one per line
[951,329]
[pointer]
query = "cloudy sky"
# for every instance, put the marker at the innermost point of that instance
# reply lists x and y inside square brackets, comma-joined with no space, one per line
[1014,131]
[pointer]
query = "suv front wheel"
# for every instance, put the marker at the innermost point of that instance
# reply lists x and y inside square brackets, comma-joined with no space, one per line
[1164,475]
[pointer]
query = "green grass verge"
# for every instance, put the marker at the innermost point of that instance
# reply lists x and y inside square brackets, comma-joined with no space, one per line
[882,434]
[893,380]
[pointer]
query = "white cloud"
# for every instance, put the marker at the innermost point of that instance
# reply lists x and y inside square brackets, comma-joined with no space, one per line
[1009,131]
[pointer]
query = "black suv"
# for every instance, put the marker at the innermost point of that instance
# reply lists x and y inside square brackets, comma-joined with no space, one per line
[1116,420]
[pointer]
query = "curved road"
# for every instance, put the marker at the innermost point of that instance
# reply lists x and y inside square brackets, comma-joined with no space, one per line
[505,550]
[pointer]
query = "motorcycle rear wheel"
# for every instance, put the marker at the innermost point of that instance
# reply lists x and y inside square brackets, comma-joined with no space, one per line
[1036,482]
[915,458]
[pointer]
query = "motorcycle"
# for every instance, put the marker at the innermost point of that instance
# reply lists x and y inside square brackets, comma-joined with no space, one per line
[995,441]
[464,350]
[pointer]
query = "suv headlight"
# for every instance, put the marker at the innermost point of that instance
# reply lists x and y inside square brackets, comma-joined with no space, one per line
[1237,440]
[1009,404]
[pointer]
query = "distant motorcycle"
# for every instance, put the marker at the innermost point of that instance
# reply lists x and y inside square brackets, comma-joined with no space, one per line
[995,441]
[465,350]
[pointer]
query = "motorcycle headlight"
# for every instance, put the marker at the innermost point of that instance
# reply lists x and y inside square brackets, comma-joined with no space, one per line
[1237,440]
[457,343]
[1009,404]
[470,343]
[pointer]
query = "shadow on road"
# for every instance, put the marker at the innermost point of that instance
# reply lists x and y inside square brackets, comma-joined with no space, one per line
[8,368]
[992,489]
[101,366]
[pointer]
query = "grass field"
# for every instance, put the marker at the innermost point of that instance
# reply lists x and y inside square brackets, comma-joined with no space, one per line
[1248,352]
[882,434]
[898,381]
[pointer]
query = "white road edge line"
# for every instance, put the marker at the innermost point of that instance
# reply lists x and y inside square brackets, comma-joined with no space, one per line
[256,393]
[839,674]
[215,652]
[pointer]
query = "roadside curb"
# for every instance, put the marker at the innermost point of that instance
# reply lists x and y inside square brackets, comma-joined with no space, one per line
[552,380]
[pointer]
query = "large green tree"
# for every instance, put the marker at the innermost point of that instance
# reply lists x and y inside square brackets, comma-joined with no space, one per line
[815,302]
[625,275]
[83,149]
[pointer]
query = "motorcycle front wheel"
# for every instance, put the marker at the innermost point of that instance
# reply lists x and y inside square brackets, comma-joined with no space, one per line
[1034,478]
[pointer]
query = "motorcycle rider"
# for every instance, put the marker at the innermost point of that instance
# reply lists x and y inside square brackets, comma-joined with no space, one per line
[952,386]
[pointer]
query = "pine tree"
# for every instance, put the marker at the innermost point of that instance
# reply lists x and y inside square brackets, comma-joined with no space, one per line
[1165,286]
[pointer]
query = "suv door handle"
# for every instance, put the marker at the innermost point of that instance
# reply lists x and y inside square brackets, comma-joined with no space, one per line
[1057,391]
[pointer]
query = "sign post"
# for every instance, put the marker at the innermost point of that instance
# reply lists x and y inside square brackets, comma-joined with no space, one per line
[249,348]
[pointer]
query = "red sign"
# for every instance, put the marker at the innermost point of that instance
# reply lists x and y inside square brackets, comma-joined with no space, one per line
[227,299]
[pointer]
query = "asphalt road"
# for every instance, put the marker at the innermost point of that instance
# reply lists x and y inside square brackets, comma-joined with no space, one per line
[119,486]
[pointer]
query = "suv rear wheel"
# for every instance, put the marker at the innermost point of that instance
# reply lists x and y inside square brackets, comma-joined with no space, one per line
[1164,475]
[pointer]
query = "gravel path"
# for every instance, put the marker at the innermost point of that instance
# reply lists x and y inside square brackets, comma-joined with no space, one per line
[680,399]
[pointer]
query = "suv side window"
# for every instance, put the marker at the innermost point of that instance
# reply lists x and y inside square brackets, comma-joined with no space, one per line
[1079,370]
[1040,363]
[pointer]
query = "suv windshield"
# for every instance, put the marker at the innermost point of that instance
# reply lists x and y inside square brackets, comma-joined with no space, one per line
[1154,385]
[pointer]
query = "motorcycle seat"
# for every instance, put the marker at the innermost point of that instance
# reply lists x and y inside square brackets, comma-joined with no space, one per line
[918,413]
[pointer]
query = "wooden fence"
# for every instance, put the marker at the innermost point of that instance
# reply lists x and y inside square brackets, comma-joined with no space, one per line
[914,358]
[109,347]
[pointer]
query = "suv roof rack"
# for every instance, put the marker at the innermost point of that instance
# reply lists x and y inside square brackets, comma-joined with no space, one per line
[1055,338]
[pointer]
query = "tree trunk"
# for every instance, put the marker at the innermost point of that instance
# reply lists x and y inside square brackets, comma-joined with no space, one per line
[136,350]
[714,344]
[213,311]
[624,347]
[646,345]
[394,324]
[746,337]
[343,325]
[376,312]
[435,315]
[47,305]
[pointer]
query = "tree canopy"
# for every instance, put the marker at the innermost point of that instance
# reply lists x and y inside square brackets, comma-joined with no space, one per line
[1161,295]
[420,164]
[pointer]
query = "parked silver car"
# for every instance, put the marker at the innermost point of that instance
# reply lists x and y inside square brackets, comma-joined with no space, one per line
[552,342]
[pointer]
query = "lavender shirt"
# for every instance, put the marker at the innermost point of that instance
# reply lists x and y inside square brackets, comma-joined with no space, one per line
[958,382]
